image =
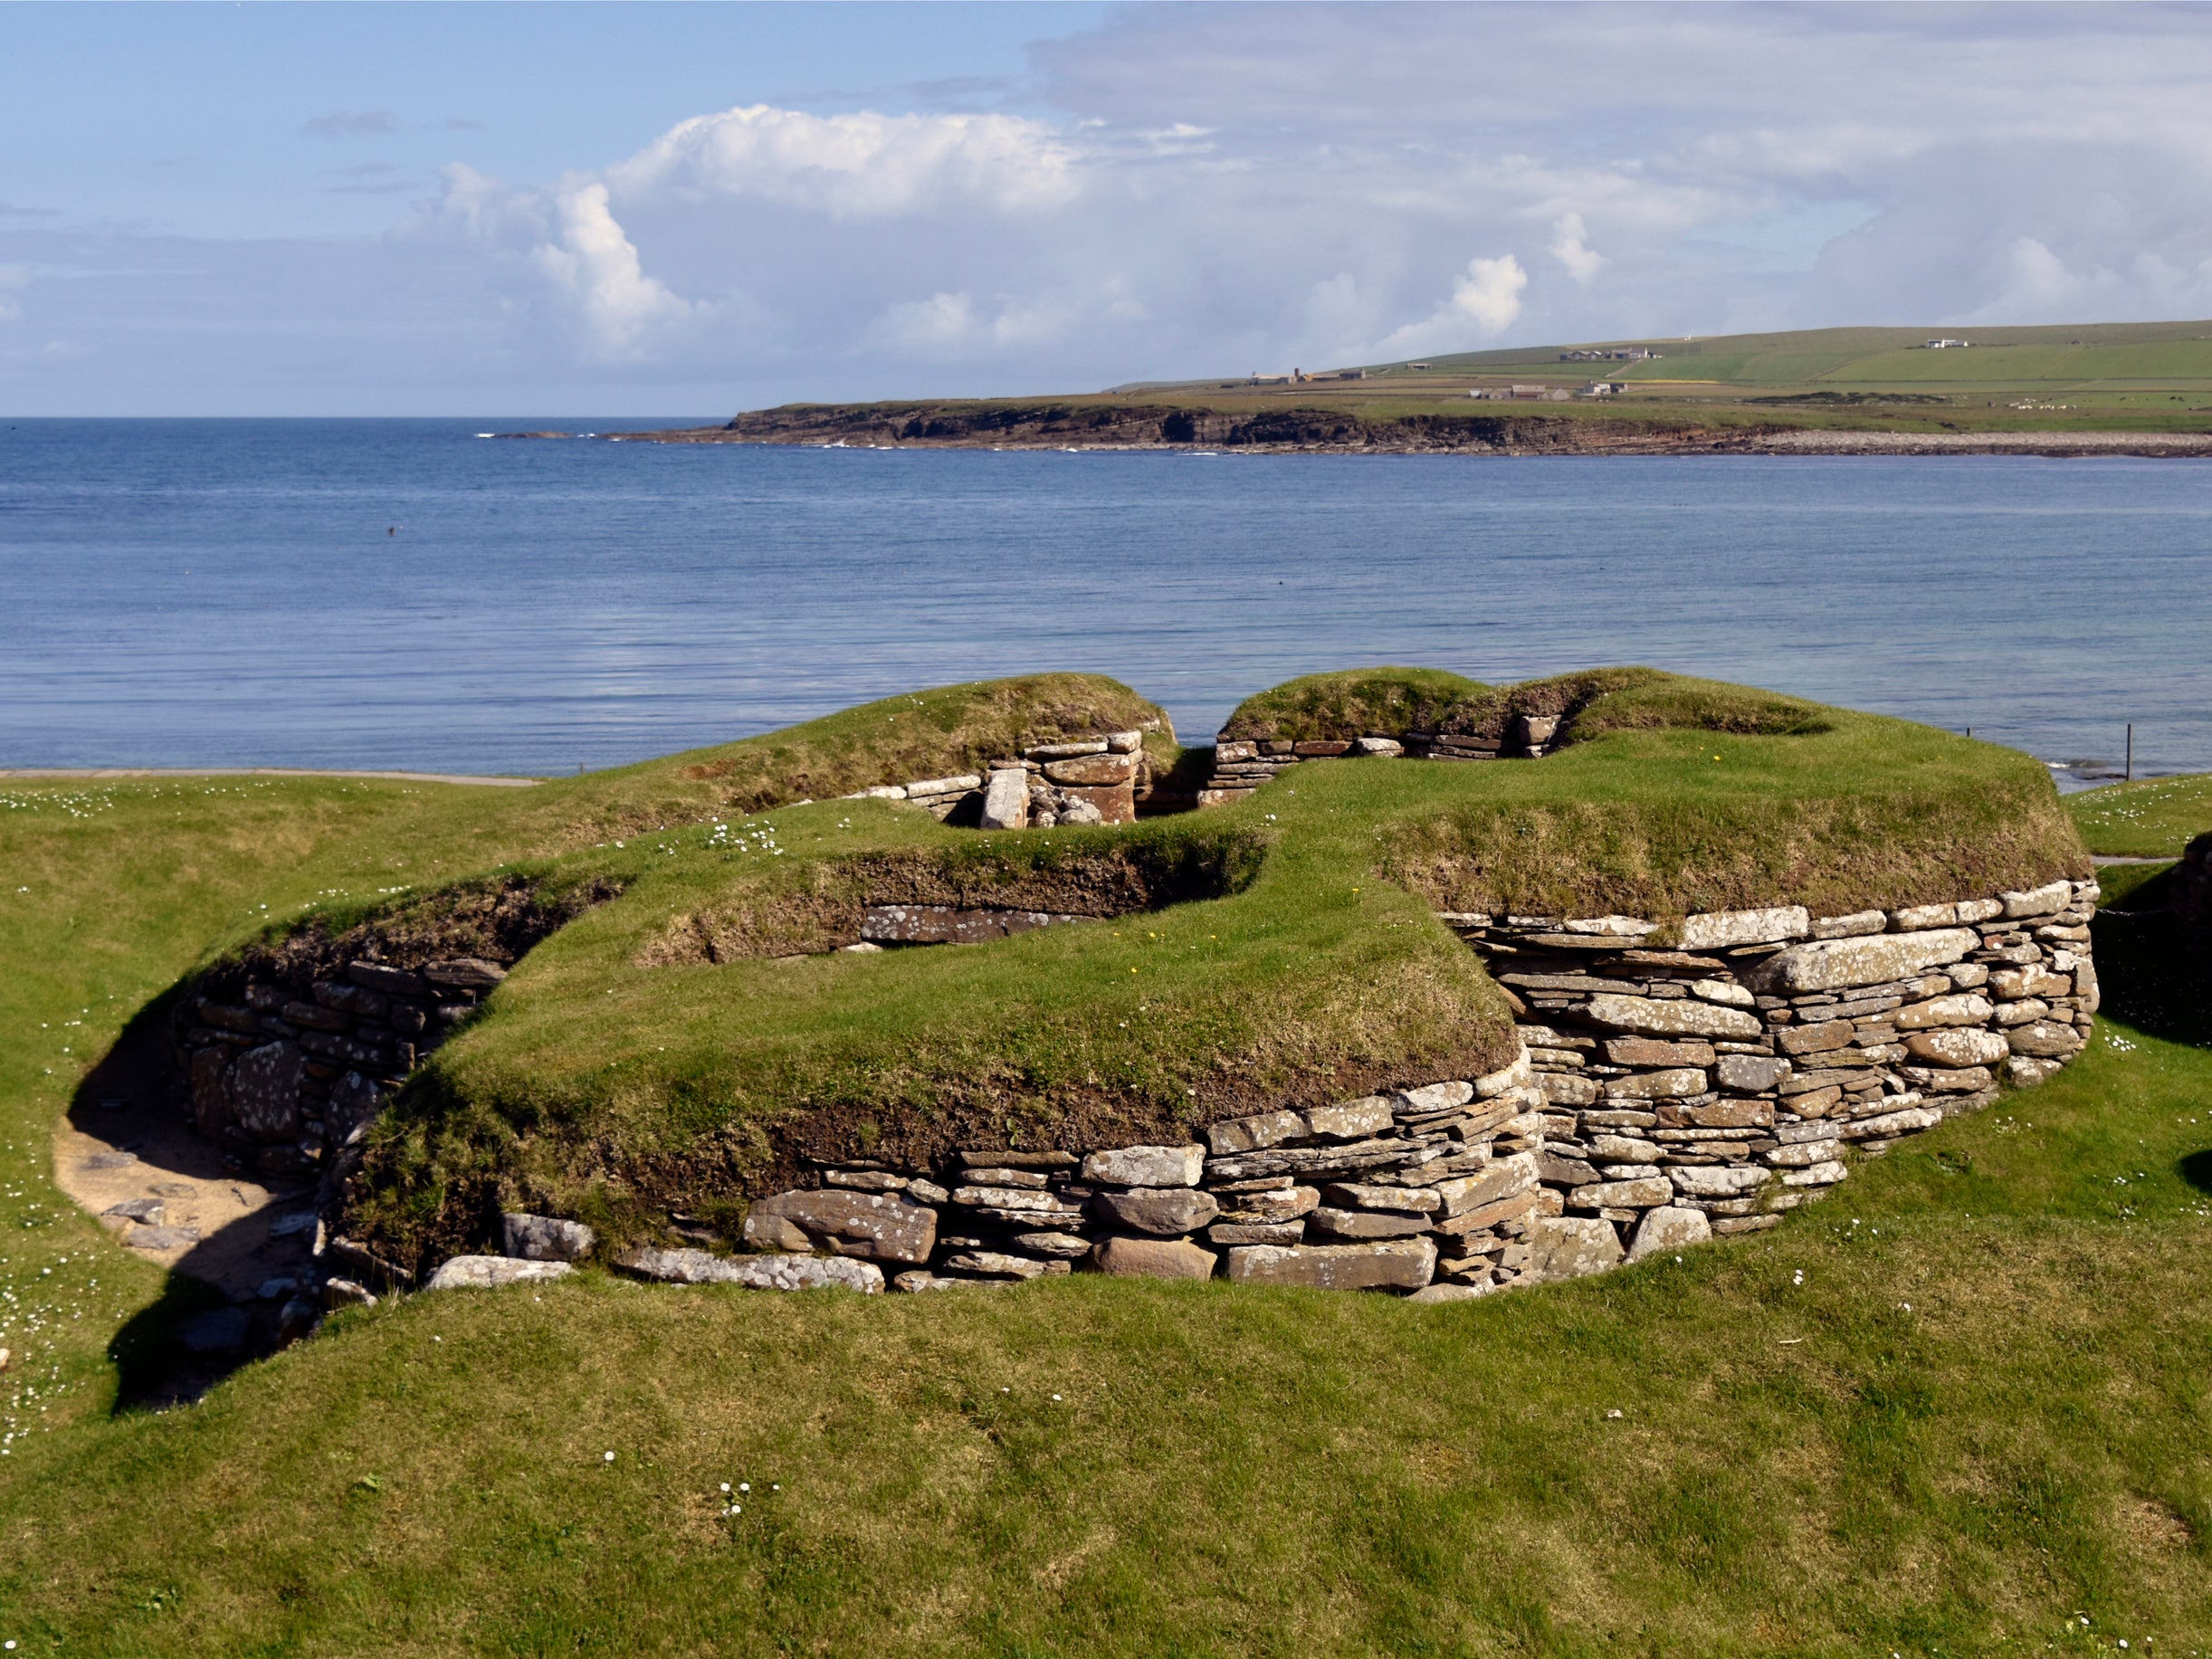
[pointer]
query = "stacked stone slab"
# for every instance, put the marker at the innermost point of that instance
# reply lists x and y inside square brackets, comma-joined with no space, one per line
[1672,1084]
[287,1078]
[1241,765]
[1083,780]
[2192,897]
[1726,1072]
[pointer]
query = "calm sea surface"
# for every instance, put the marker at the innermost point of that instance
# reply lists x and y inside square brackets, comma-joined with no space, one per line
[404,595]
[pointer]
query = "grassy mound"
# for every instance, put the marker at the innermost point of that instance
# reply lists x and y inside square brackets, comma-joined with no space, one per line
[1954,1406]
[940,733]
[1353,702]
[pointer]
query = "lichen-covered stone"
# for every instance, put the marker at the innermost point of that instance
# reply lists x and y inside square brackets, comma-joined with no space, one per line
[545,1238]
[1835,964]
[871,1226]
[1669,1227]
[490,1271]
[1151,1258]
[1146,1167]
[1669,1017]
[1164,1212]
[1570,1247]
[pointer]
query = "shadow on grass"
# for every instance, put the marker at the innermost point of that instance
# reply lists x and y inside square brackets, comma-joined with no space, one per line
[2151,975]
[139,1145]
[2196,1170]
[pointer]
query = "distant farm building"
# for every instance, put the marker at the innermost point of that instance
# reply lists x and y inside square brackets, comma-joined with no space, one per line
[1948,345]
[1610,354]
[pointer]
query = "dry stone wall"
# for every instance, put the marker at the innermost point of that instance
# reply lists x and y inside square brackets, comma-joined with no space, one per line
[1242,765]
[1086,780]
[1668,1092]
[286,1078]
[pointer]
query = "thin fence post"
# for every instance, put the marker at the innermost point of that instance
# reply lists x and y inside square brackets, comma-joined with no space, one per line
[2130,778]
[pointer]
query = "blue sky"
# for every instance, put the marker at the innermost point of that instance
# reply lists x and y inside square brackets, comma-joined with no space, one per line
[687,209]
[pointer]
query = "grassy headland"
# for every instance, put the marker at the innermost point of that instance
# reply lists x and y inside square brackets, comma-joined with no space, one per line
[2098,387]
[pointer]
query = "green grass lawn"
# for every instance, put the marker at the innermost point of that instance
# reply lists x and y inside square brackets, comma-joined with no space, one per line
[1799,1465]
[2155,818]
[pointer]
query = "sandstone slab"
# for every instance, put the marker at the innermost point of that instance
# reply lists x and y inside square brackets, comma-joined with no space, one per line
[1163,1212]
[265,1091]
[1335,1223]
[1958,1045]
[1714,930]
[1005,800]
[1668,1227]
[1570,1247]
[490,1271]
[1146,1167]
[2043,1040]
[1668,1017]
[1835,964]
[1392,1264]
[871,1226]
[1151,1258]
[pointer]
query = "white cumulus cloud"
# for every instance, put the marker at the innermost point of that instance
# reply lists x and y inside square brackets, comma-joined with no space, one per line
[594,262]
[1570,245]
[1483,302]
[859,165]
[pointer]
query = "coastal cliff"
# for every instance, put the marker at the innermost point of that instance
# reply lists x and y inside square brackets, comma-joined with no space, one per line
[1116,423]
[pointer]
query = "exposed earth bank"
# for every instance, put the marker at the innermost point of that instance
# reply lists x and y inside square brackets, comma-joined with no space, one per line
[1115,424]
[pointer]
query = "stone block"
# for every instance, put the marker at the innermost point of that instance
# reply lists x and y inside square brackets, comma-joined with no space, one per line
[1668,1227]
[2043,1040]
[1723,991]
[1670,1017]
[1717,1180]
[1332,1222]
[1651,1052]
[1350,1119]
[1403,1200]
[264,1090]
[1846,927]
[872,1226]
[1151,1258]
[1556,1169]
[1802,1154]
[1678,1084]
[1816,1175]
[1486,1216]
[1068,750]
[996,1264]
[1956,1010]
[1093,770]
[1752,1073]
[1280,1203]
[1816,1038]
[1005,800]
[464,974]
[1943,1080]
[1638,1195]
[1431,1098]
[1827,965]
[1730,1114]
[1164,1212]
[2046,901]
[1569,1247]
[1225,1233]
[1622,1150]
[1890,1124]
[1714,930]
[1146,1167]
[490,1271]
[2025,1070]
[1562,1088]
[1266,1129]
[1958,1045]
[1378,746]
[1919,918]
[1390,1265]
[1502,1179]
[545,1238]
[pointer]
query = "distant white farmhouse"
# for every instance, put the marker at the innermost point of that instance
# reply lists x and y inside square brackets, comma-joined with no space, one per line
[1947,344]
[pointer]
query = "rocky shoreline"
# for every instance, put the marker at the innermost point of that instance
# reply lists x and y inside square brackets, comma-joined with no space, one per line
[1112,425]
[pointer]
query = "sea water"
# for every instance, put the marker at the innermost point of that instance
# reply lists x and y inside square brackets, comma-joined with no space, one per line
[410,595]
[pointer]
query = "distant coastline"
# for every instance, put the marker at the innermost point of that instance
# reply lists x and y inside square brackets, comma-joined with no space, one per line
[1116,424]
